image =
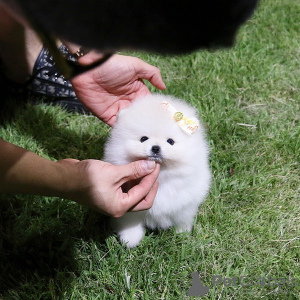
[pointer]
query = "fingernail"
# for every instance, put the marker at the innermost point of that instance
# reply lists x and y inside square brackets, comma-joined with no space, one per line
[148,165]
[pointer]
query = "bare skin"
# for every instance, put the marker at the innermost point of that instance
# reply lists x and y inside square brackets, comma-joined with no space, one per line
[104,90]
[89,182]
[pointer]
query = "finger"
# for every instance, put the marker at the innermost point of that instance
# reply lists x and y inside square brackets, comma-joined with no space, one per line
[157,81]
[144,192]
[135,170]
[147,202]
[153,75]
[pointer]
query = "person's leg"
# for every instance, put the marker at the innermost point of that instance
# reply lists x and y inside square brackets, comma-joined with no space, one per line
[28,66]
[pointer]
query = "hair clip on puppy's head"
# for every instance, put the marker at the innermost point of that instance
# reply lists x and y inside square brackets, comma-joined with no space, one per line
[188,125]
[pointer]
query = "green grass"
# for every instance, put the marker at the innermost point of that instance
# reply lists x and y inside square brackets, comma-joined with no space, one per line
[51,248]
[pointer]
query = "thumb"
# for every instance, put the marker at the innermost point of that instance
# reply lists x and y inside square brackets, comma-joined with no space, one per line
[136,170]
[152,74]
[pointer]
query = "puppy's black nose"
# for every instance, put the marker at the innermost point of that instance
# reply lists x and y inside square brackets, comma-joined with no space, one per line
[155,149]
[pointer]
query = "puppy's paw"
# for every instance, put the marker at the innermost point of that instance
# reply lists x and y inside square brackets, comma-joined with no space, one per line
[184,228]
[132,236]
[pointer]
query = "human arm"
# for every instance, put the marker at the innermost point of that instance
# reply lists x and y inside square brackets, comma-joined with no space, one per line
[104,90]
[89,182]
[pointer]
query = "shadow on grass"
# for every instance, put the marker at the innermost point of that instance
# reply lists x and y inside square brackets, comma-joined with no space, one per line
[38,235]
[59,134]
[37,249]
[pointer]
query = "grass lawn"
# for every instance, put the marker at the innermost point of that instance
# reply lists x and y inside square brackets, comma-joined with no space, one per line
[249,100]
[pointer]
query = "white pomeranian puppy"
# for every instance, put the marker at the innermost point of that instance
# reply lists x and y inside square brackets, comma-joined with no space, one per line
[166,130]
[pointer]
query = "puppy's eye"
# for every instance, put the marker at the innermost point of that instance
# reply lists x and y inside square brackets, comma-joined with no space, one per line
[143,139]
[171,142]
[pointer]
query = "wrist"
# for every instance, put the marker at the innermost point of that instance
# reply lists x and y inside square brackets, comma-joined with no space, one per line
[71,184]
[88,57]
[83,55]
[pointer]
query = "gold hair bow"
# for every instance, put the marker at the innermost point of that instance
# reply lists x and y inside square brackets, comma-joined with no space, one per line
[188,125]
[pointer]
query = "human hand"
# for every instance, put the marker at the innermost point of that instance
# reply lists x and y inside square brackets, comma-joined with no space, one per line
[97,184]
[107,89]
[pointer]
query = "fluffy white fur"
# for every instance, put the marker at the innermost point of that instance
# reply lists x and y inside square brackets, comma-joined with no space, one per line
[184,178]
